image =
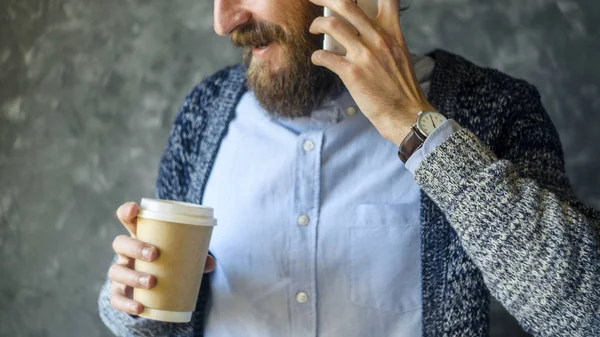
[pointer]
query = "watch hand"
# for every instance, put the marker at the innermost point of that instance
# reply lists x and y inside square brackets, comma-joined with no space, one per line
[432,122]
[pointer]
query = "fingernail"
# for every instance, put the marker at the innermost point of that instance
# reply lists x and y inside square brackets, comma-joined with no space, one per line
[147,253]
[144,280]
[134,307]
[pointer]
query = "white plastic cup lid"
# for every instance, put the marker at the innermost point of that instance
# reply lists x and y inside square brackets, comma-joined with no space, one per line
[176,211]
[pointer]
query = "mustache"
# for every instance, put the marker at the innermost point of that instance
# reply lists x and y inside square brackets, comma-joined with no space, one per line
[257,34]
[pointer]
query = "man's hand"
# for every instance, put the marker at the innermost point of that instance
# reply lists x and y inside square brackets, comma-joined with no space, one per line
[377,68]
[122,274]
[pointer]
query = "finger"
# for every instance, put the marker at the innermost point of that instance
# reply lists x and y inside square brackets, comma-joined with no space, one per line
[351,12]
[125,304]
[121,274]
[210,264]
[336,63]
[125,261]
[388,13]
[130,247]
[120,288]
[127,214]
[117,288]
[338,29]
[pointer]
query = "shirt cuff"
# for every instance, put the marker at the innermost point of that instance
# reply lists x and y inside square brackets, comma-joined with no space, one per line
[437,137]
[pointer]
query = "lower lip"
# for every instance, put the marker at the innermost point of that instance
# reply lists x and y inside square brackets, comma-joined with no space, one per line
[262,52]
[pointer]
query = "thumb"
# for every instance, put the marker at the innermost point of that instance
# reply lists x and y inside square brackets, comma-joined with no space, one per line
[127,214]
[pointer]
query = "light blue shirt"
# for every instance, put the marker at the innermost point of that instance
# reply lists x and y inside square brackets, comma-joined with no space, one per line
[319,230]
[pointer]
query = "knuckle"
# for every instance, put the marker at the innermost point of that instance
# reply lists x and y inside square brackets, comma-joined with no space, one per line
[335,4]
[360,54]
[115,244]
[332,23]
[323,58]
[118,241]
[120,288]
[367,55]
[122,260]
[379,42]
[111,271]
[353,71]
[117,289]
[345,5]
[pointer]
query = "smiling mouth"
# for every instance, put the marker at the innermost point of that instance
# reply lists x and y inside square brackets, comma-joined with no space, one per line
[263,51]
[261,47]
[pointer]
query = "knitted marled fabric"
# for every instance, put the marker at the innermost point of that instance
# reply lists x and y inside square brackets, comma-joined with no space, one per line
[536,248]
[538,252]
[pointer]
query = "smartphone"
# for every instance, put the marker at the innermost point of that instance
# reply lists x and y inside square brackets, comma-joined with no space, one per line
[370,7]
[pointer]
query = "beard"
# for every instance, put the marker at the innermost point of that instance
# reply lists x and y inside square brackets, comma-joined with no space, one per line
[294,87]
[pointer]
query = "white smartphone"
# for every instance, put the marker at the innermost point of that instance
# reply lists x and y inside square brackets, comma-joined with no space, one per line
[370,7]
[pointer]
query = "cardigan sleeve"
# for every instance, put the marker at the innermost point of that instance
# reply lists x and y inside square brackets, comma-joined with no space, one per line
[172,182]
[437,137]
[517,218]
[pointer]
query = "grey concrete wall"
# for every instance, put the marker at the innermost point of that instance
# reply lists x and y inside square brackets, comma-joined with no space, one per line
[88,90]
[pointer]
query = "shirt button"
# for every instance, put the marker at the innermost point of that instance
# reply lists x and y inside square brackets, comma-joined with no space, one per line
[351,111]
[301,297]
[308,146]
[303,220]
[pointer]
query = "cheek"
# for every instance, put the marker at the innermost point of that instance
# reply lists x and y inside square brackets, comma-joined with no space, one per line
[273,11]
[291,15]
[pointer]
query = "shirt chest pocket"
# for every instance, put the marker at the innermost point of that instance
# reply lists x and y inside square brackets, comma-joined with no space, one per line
[384,262]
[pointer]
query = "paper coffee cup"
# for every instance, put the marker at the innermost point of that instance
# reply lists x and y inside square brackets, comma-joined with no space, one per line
[181,232]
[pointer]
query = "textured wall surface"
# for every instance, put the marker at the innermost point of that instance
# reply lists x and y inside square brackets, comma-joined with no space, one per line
[88,90]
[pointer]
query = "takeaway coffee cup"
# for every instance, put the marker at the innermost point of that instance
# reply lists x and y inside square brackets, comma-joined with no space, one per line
[181,232]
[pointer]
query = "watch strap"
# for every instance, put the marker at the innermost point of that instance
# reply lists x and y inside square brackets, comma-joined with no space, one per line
[413,141]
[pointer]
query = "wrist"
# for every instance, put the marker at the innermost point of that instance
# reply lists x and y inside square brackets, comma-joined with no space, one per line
[400,134]
[396,130]
[426,124]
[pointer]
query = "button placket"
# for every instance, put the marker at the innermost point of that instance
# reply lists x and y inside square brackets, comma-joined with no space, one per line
[307,182]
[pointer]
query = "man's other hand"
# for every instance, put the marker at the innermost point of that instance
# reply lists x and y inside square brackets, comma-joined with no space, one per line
[122,274]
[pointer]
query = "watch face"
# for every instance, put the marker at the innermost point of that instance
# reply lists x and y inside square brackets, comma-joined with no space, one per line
[429,121]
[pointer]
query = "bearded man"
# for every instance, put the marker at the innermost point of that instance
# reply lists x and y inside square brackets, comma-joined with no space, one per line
[371,194]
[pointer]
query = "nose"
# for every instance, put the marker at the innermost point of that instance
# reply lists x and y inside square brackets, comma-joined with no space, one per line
[229,14]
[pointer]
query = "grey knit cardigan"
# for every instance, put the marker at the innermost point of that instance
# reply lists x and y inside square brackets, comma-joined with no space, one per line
[497,212]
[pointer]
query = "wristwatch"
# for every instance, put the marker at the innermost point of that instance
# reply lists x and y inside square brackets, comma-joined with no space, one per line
[427,121]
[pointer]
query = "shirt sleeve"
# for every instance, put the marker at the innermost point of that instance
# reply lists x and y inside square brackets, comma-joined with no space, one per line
[437,137]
